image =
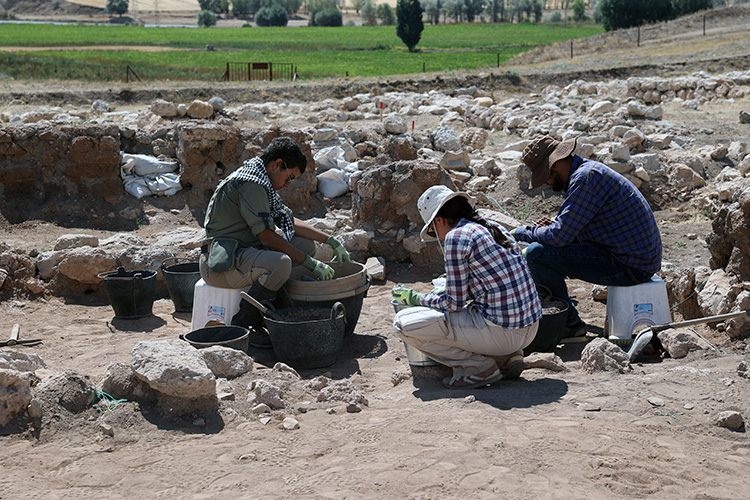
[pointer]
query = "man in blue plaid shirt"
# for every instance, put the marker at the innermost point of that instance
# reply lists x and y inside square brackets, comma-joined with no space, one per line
[604,232]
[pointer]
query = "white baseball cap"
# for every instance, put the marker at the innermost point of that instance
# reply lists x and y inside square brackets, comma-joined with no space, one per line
[431,201]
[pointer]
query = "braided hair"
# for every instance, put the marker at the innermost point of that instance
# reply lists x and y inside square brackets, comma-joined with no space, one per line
[459,208]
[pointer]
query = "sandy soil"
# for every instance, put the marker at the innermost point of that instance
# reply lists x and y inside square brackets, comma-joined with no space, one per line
[548,435]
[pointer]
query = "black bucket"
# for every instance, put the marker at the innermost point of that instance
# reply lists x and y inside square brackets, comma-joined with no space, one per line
[348,286]
[308,337]
[181,278]
[551,326]
[131,293]
[236,337]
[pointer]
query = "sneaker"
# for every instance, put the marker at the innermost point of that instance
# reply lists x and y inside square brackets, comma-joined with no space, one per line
[514,367]
[489,376]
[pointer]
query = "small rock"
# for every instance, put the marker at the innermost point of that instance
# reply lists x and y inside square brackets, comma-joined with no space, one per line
[376,268]
[469,399]
[353,407]
[199,422]
[283,367]
[34,409]
[599,293]
[398,377]
[290,424]
[744,117]
[261,408]
[545,360]
[656,401]
[107,429]
[264,420]
[217,103]
[331,411]
[731,420]
[589,407]
[742,370]
[688,406]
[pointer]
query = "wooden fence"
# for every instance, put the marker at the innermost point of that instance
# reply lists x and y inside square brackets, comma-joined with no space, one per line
[242,72]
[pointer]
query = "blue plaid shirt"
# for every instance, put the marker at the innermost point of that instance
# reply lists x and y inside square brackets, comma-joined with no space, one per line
[496,279]
[602,207]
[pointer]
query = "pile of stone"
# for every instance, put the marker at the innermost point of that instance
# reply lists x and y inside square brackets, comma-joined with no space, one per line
[173,379]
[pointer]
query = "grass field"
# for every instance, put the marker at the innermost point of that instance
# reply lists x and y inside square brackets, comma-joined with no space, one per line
[317,52]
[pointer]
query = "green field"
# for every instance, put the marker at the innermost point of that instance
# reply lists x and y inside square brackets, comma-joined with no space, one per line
[316,52]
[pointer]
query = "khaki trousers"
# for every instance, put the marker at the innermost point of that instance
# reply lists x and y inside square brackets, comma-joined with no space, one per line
[270,269]
[462,340]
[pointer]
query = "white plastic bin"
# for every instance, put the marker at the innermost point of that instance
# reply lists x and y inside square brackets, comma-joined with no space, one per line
[211,303]
[631,307]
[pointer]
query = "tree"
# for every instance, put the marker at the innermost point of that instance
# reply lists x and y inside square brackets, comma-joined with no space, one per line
[274,15]
[496,10]
[579,10]
[118,7]
[241,8]
[618,14]
[683,7]
[357,5]
[367,13]
[409,24]
[473,8]
[432,8]
[326,17]
[384,12]
[206,19]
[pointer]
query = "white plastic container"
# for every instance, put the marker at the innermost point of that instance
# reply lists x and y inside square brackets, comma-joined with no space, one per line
[631,307]
[414,355]
[211,303]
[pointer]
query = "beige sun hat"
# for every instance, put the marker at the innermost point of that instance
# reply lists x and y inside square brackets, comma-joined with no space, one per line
[541,154]
[431,201]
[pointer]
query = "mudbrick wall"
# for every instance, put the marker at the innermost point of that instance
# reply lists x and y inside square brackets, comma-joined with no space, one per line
[71,173]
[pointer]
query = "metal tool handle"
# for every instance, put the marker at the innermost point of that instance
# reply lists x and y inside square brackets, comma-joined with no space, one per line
[266,311]
[697,321]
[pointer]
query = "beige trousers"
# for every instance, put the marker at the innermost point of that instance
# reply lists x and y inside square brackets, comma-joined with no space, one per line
[270,269]
[462,340]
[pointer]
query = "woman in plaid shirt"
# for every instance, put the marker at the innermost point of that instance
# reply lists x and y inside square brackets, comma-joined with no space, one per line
[489,310]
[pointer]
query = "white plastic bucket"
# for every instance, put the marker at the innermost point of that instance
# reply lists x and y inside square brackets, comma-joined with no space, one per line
[211,303]
[631,307]
[414,355]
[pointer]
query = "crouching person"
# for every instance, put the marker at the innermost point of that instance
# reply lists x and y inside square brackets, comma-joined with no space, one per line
[242,248]
[489,310]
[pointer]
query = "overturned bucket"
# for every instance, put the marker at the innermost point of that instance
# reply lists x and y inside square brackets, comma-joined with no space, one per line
[131,293]
[181,278]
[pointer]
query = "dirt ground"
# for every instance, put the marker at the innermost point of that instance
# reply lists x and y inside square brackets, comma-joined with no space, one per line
[647,433]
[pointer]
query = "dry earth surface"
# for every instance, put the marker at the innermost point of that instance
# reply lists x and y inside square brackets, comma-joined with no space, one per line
[647,433]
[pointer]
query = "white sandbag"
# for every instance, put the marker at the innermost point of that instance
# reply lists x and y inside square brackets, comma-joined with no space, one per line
[333,183]
[155,184]
[145,164]
[328,158]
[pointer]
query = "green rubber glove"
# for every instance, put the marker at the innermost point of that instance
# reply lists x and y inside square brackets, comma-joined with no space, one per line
[513,233]
[321,270]
[342,255]
[406,296]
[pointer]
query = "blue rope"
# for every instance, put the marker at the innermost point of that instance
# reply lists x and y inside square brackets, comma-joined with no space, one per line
[107,401]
